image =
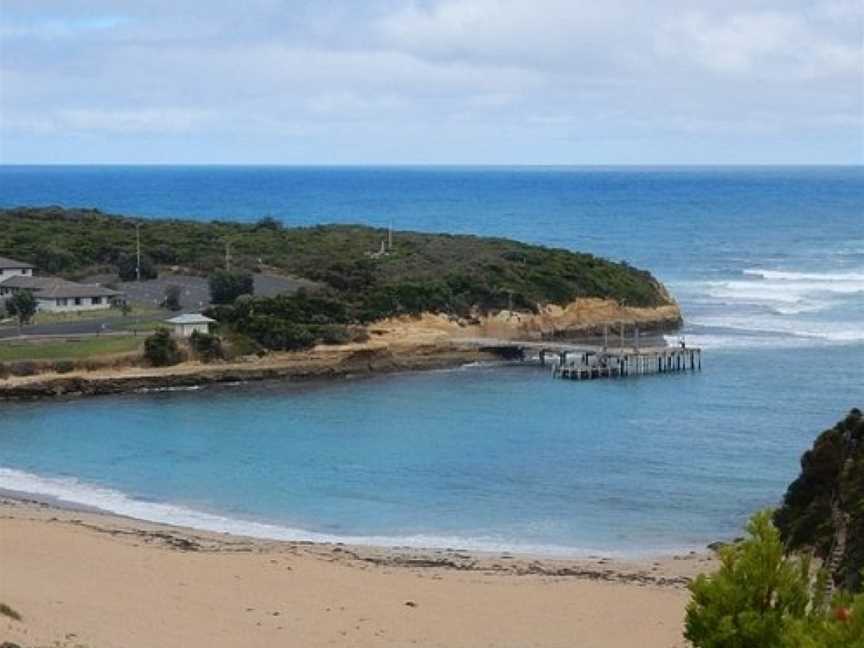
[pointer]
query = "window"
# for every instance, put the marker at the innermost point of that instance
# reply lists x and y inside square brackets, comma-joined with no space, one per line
[77,301]
[62,302]
[96,300]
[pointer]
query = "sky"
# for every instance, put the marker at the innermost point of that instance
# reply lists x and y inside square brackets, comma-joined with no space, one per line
[432,81]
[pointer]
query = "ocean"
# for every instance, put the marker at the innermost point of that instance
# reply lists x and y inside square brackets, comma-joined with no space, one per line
[766,262]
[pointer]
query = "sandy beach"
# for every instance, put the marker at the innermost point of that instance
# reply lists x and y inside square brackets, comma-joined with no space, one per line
[101,581]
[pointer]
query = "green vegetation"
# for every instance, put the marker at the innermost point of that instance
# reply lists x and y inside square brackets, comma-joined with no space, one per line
[763,594]
[127,267]
[160,349]
[76,349]
[761,597]
[358,280]
[22,306]
[226,286]
[832,475]
[206,347]
[172,298]
[440,271]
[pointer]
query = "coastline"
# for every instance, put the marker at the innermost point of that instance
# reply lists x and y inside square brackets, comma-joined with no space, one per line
[458,581]
[426,342]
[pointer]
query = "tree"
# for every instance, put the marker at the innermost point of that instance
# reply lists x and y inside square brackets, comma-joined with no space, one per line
[227,286]
[755,597]
[161,349]
[127,267]
[172,298]
[763,598]
[22,306]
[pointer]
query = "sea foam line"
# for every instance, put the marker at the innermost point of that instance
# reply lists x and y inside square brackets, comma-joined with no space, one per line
[71,491]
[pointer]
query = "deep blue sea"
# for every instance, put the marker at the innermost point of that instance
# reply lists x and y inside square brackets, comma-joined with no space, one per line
[767,263]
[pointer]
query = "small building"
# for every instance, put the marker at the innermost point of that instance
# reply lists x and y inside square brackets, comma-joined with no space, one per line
[187,324]
[12,268]
[54,295]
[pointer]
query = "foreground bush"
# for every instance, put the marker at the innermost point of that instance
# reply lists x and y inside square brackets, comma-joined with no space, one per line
[762,598]
[161,350]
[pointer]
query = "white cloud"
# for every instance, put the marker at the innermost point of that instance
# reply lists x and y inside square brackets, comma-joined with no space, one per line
[761,45]
[430,71]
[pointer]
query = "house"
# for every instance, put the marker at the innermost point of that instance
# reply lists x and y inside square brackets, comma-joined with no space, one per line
[187,324]
[12,268]
[56,295]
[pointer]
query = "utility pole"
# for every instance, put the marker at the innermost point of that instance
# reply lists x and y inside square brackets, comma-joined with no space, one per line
[228,256]
[390,237]
[137,251]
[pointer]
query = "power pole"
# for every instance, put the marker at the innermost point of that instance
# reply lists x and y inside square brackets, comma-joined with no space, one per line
[390,237]
[137,251]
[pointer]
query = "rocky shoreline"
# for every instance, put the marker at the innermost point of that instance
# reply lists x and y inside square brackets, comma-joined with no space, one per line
[296,366]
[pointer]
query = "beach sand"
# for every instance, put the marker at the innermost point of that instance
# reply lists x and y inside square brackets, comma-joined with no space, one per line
[102,581]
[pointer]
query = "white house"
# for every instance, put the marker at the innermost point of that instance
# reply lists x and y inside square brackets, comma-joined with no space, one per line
[187,324]
[12,268]
[55,295]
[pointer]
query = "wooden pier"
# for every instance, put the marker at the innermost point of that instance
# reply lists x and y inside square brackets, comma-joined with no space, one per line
[587,362]
[620,363]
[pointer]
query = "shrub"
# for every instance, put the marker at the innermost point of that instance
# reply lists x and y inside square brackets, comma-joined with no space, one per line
[226,286]
[206,347]
[161,350]
[127,264]
[278,334]
[23,368]
[334,334]
[762,598]
[22,305]
[172,298]
[63,366]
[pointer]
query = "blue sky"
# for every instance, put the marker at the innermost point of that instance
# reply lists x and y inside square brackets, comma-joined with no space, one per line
[431,81]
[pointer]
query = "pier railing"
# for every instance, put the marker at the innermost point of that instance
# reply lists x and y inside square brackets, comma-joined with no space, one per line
[621,363]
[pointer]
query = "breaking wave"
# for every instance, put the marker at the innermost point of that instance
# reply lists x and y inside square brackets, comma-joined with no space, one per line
[71,491]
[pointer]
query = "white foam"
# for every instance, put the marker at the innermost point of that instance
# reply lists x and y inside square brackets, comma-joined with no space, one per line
[784,275]
[804,331]
[72,491]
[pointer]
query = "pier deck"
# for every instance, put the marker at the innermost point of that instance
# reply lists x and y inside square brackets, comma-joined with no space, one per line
[587,362]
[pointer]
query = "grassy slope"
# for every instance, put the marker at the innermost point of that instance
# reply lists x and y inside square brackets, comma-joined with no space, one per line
[490,272]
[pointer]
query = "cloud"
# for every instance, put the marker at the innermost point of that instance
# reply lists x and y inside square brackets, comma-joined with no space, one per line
[761,45]
[506,77]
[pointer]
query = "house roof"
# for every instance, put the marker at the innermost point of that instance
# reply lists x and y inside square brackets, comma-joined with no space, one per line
[190,318]
[6,262]
[54,288]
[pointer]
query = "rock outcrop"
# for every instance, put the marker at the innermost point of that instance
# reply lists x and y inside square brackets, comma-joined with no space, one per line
[823,509]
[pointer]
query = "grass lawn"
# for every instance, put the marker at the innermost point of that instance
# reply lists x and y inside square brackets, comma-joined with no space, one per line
[144,325]
[73,349]
[138,311]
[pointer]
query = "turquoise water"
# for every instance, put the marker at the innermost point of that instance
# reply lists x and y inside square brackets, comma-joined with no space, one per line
[768,265]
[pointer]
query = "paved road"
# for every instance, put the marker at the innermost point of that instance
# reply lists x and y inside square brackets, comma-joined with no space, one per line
[75,327]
